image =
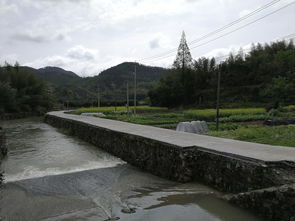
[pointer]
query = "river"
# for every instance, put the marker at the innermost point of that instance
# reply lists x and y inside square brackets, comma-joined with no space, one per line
[52,176]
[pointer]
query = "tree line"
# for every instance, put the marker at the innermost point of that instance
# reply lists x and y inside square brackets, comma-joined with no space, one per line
[264,76]
[22,91]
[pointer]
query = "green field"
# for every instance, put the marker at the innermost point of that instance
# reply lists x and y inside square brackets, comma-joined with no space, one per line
[113,109]
[235,123]
[279,135]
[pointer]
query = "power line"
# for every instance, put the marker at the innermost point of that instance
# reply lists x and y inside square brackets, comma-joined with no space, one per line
[219,29]
[227,33]
[287,37]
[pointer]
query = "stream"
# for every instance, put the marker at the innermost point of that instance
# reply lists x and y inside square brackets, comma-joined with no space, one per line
[52,176]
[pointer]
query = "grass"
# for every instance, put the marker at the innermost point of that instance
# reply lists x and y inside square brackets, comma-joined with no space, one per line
[245,118]
[209,114]
[279,135]
[289,108]
[105,110]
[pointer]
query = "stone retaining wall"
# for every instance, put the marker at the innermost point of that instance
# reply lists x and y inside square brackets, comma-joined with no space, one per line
[275,203]
[223,171]
[228,173]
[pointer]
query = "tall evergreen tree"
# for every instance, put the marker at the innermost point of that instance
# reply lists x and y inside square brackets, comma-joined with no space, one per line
[183,57]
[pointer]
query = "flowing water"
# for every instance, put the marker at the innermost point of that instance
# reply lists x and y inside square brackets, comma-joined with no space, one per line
[51,176]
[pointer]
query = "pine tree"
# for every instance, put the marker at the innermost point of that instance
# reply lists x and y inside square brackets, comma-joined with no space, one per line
[183,57]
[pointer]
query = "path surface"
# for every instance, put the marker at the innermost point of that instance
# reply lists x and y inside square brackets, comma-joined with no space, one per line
[254,151]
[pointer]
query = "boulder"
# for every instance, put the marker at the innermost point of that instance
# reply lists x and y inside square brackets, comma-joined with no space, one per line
[185,127]
[205,128]
[197,126]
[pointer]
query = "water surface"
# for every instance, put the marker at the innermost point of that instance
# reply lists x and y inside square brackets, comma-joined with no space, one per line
[51,176]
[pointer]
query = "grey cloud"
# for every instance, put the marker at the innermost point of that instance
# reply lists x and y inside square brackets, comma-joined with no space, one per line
[30,38]
[37,38]
[154,43]
[79,52]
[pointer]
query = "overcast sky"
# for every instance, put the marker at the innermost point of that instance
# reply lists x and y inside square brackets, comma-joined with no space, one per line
[88,36]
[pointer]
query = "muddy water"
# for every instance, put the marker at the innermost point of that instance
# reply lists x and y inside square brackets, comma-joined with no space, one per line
[51,176]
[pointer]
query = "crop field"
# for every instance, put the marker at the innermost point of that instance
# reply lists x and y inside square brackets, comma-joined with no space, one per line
[209,114]
[236,123]
[279,135]
[118,109]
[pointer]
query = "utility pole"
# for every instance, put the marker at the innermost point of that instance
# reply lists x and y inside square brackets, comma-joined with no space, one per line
[98,97]
[127,98]
[218,99]
[135,88]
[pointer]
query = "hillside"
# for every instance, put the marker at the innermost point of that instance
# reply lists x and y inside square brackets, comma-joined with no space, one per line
[68,86]
[113,81]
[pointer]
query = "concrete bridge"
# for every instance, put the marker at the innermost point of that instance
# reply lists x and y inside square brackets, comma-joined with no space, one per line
[228,165]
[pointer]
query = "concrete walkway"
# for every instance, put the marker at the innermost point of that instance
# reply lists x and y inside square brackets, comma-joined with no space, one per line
[254,151]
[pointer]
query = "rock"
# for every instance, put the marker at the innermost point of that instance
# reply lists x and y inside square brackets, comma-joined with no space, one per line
[279,122]
[197,126]
[204,126]
[128,210]
[185,127]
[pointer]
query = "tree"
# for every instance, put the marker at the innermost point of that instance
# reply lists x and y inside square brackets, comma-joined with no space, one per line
[22,91]
[183,56]
[263,76]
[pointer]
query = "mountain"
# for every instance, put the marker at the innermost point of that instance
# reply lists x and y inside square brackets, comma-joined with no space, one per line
[69,87]
[112,82]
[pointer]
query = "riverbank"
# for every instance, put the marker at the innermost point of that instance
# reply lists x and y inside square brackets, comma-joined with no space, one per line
[13,116]
[228,165]
[52,176]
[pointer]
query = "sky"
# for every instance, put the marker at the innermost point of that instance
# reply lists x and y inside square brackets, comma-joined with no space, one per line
[88,36]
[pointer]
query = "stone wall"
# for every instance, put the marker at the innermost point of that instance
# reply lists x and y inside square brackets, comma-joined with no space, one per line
[275,203]
[225,172]
[235,174]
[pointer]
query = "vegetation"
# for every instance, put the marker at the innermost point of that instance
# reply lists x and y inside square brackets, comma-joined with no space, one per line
[119,109]
[266,75]
[22,91]
[210,114]
[236,123]
[278,135]
[72,90]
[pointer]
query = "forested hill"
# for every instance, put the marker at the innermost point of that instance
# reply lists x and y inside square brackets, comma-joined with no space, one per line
[67,86]
[112,82]
[265,75]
